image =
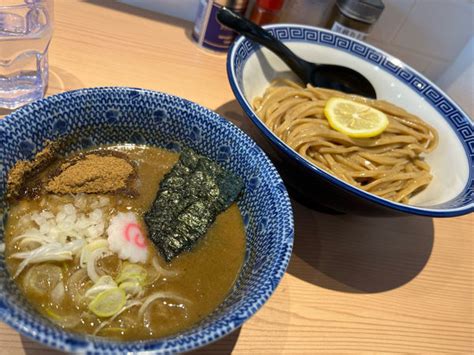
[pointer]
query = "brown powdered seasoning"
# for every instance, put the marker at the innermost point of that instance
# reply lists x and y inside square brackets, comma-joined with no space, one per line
[25,170]
[93,173]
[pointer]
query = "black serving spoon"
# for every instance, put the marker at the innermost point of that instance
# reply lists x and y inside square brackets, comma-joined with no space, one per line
[328,76]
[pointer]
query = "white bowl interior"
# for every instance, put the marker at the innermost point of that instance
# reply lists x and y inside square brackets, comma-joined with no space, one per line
[448,162]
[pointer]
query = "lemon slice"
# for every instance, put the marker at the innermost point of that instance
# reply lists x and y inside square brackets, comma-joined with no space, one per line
[354,119]
[109,302]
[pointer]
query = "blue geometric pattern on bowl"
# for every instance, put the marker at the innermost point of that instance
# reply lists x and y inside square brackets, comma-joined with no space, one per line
[118,115]
[241,51]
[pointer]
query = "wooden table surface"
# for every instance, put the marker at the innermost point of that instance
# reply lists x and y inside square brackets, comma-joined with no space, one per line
[354,284]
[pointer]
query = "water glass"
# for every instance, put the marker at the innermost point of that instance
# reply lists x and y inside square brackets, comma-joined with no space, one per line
[26,28]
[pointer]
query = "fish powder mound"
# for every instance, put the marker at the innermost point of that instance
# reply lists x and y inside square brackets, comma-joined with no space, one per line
[24,170]
[93,173]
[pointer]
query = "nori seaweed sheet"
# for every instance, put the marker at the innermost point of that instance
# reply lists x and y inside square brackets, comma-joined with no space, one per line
[190,197]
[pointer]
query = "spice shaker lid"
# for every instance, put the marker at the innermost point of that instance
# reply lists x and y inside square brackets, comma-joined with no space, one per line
[271,5]
[363,10]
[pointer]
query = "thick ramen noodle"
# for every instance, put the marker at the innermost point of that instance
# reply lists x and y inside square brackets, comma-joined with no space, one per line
[389,165]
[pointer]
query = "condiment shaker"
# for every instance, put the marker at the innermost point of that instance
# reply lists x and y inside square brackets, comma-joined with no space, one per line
[266,11]
[354,17]
[208,32]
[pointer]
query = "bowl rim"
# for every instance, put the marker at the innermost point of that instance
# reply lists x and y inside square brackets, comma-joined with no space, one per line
[82,342]
[411,209]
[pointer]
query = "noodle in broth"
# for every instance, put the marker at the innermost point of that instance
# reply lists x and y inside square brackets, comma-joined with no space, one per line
[388,165]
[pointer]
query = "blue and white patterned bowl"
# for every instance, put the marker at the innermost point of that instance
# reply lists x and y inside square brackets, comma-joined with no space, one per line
[250,69]
[114,115]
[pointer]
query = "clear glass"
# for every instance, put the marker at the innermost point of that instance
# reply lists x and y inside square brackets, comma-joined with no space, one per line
[26,28]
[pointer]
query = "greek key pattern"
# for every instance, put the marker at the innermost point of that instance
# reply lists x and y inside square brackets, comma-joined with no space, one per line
[461,124]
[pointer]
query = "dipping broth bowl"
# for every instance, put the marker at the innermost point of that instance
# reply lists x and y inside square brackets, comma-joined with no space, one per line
[92,117]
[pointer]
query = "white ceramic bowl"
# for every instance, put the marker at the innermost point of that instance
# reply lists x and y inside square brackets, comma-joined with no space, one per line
[251,69]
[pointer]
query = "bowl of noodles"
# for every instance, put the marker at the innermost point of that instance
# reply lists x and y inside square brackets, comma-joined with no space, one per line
[421,162]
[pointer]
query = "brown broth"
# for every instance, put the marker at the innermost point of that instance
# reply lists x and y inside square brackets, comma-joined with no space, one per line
[205,275]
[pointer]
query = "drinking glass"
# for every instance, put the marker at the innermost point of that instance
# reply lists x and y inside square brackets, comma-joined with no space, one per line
[26,28]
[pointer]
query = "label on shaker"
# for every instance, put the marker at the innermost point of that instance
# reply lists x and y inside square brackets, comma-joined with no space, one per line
[208,32]
[337,27]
